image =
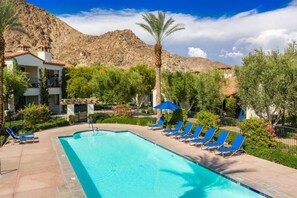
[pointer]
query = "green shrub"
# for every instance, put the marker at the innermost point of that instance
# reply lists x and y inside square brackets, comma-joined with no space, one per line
[72,119]
[150,110]
[231,105]
[178,115]
[258,133]
[129,120]
[273,155]
[98,117]
[52,122]
[207,119]
[2,140]
[34,114]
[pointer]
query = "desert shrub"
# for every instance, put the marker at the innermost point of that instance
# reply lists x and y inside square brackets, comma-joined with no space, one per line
[231,105]
[258,133]
[207,119]
[34,114]
[178,115]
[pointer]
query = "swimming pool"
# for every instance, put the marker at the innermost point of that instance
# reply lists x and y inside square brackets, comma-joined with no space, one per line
[124,165]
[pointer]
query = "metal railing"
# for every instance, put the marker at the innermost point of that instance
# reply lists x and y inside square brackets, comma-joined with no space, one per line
[287,138]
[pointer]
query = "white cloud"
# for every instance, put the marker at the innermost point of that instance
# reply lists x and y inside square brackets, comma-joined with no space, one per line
[269,39]
[196,52]
[232,54]
[244,31]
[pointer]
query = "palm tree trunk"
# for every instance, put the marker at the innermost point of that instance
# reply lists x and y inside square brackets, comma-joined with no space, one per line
[158,64]
[2,63]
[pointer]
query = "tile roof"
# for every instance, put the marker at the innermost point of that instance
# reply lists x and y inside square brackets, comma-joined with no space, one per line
[11,54]
[56,62]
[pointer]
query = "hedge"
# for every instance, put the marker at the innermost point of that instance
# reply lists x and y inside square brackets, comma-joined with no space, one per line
[53,122]
[129,120]
[271,154]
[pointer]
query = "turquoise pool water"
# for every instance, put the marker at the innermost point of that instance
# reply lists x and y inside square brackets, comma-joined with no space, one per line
[124,165]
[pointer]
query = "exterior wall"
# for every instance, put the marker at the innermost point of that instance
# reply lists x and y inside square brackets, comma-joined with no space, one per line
[54,90]
[70,110]
[250,113]
[90,109]
[33,75]
[9,63]
[32,91]
[29,60]
[47,56]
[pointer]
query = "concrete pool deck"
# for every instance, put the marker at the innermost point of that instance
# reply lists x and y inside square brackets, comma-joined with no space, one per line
[34,170]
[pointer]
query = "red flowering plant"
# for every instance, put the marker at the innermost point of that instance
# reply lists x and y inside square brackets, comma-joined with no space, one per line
[258,133]
[122,110]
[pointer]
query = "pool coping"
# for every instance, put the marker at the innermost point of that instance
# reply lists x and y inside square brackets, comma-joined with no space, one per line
[73,185]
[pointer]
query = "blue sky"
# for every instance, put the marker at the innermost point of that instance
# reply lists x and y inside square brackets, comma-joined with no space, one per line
[220,30]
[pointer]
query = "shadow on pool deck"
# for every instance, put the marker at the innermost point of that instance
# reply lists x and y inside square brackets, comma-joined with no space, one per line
[199,186]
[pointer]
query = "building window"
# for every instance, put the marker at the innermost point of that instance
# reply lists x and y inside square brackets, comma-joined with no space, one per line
[53,78]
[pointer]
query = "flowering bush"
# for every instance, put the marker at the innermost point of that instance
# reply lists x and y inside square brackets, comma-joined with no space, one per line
[34,114]
[258,133]
[207,119]
[122,110]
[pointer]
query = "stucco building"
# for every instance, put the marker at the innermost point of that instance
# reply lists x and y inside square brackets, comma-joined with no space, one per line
[31,64]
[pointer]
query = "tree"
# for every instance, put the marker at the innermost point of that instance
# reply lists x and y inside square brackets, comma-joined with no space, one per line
[115,85]
[159,28]
[9,21]
[145,84]
[290,56]
[15,84]
[208,89]
[267,83]
[178,87]
[79,82]
[44,94]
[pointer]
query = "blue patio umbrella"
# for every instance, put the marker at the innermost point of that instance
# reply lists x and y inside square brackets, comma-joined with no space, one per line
[167,105]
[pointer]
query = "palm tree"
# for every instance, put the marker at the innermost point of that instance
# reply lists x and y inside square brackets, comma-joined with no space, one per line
[159,28]
[8,21]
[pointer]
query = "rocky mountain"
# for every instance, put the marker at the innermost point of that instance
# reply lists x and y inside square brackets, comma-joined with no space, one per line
[120,48]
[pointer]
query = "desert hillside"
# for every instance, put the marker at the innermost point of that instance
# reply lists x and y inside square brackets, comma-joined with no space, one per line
[120,48]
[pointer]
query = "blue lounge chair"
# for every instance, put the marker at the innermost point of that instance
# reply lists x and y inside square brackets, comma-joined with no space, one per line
[31,135]
[158,125]
[19,138]
[185,132]
[234,148]
[177,128]
[208,136]
[196,134]
[220,141]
